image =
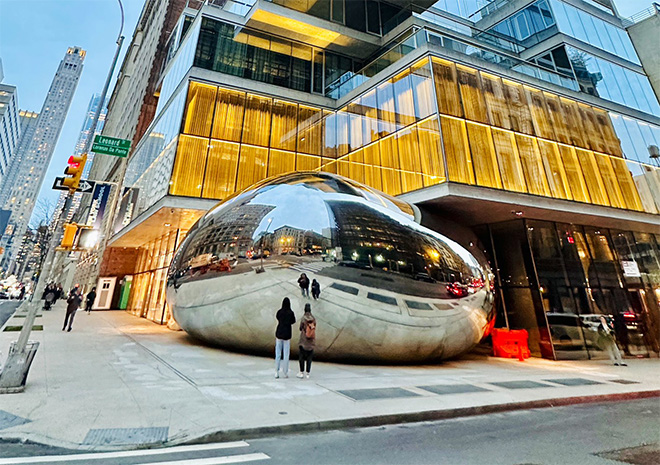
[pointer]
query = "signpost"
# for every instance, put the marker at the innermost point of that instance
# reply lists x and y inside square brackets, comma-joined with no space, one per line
[111,146]
[86,187]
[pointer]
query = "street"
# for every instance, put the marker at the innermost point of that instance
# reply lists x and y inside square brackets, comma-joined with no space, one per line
[7,309]
[587,434]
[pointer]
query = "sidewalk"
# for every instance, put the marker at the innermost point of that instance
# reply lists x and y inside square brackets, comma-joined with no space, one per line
[118,381]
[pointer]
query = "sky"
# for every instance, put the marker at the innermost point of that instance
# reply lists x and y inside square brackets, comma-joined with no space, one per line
[34,35]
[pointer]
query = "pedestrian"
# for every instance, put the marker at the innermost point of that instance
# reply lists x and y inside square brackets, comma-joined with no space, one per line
[49,296]
[89,300]
[303,282]
[307,342]
[285,319]
[607,342]
[316,289]
[59,292]
[73,303]
[21,294]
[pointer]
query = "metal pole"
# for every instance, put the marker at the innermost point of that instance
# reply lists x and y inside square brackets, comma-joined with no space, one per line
[33,305]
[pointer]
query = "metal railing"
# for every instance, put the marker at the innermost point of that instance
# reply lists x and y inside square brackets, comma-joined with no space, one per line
[653,10]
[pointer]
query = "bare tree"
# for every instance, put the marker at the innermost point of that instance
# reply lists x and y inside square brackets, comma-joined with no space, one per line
[43,212]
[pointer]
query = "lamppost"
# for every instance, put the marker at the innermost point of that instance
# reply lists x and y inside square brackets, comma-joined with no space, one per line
[14,374]
[261,247]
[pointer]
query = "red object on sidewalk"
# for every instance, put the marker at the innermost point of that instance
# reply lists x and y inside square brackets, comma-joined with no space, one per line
[510,343]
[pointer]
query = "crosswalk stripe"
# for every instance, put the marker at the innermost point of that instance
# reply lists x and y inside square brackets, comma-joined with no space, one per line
[217,460]
[124,453]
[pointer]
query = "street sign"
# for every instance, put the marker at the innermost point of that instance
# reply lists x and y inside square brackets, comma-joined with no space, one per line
[86,187]
[111,146]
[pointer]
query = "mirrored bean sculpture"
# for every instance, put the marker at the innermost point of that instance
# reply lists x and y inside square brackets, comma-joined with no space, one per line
[391,290]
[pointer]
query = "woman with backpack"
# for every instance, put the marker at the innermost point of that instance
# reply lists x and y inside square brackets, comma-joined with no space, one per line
[307,342]
[285,319]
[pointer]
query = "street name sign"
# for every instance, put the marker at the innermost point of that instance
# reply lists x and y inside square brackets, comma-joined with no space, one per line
[86,187]
[111,146]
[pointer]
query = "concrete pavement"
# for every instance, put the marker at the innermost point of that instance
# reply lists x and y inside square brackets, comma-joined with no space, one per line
[118,381]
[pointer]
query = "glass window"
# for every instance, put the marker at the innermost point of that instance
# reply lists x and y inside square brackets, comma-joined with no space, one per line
[571,115]
[541,118]
[521,117]
[498,107]
[220,176]
[403,96]
[592,177]
[372,173]
[389,155]
[574,174]
[554,170]
[409,159]
[446,87]
[330,132]
[280,162]
[457,150]
[256,128]
[474,104]
[561,130]
[627,185]
[532,165]
[370,110]
[609,180]
[307,163]
[486,170]
[591,128]
[189,165]
[433,167]
[251,166]
[199,113]
[509,161]
[386,109]
[422,85]
[310,130]
[284,121]
[228,120]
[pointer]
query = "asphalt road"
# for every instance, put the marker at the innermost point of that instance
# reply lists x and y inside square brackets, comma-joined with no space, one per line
[589,434]
[7,309]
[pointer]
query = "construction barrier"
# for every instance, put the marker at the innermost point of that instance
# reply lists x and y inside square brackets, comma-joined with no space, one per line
[510,343]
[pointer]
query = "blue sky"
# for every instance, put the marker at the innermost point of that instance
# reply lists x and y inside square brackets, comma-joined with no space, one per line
[34,35]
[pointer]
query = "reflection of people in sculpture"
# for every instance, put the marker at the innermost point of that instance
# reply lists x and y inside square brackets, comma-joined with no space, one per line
[307,342]
[607,342]
[285,319]
[316,289]
[303,282]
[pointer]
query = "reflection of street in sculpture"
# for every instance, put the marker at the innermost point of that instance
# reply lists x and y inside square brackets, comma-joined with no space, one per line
[393,290]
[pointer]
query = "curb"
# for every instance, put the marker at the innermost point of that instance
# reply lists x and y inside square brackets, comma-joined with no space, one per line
[412,417]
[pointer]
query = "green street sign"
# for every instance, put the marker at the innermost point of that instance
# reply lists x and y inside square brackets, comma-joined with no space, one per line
[111,146]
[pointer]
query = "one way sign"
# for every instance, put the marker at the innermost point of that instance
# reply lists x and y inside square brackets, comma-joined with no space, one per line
[86,187]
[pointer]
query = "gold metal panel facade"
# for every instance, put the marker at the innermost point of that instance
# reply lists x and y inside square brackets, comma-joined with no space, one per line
[431,123]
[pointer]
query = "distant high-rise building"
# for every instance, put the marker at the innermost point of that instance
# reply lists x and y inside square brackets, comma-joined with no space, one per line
[35,153]
[10,129]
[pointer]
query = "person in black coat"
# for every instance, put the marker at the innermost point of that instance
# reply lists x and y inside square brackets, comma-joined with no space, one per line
[316,289]
[303,282]
[285,319]
[73,303]
[89,300]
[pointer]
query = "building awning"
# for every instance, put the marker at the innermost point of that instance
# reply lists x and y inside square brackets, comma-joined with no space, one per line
[169,213]
[472,206]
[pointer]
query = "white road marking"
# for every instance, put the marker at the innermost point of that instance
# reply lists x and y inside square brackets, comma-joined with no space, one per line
[216,460]
[126,453]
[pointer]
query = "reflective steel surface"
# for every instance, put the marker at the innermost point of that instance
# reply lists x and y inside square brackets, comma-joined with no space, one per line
[390,289]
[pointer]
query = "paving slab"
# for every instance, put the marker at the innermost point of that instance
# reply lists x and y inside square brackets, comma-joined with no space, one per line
[118,381]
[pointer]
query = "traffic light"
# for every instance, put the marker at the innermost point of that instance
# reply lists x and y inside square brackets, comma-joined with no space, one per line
[74,170]
[69,237]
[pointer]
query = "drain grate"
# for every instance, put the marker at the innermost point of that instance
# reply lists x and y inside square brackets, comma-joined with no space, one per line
[521,384]
[374,394]
[120,436]
[452,388]
[573,381]
[7,420]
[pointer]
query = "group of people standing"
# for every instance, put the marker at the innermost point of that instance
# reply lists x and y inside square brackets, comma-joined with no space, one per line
[304,284]
[306,342]
[74,299]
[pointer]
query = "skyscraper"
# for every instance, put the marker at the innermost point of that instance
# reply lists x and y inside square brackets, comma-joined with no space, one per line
[10,129]
[35,152]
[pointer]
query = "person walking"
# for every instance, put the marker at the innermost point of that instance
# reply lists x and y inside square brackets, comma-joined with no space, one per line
[307,342]
[316,289]
[303,282]
[73,303]
[89,300]
[285,319]
[49,296]
[607,342]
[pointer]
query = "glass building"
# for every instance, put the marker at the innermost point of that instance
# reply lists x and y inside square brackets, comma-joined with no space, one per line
[531,128]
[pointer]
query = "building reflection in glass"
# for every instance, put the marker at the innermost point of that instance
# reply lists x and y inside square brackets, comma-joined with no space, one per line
[391,289]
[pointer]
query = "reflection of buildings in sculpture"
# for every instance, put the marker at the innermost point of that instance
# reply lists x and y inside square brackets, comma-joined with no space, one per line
[371,239]
[234,234]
